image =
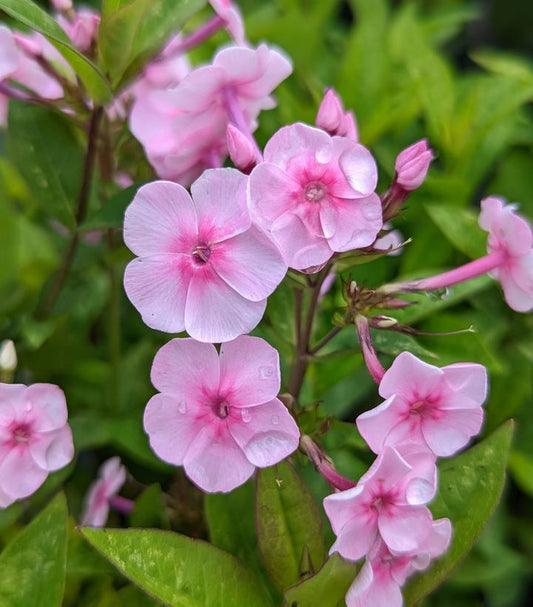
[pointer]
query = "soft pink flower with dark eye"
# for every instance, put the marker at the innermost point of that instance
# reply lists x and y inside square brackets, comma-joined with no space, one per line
[111,477]
[440,408]
[218,415]
[35,438]
[202,266]
[510,236]
[384,504]
[379,582]
[412,165]
[314,194]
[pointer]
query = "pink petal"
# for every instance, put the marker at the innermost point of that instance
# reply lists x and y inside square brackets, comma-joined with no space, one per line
[161,219]
[215,462]
[250,264]
[408,376]
[114,474]
[491,208]
[157,287]
[468,381]
[452,430]
[517,284]
[388,469]
[52,450]
[289,142]
[358,166]
[249,371]
[215,312]
[20,476]
[404,528]
[266,433]
[47,406]
[515,231]
[186,369]
[376,591]
[96,508]
[355,538]
[199,90]
[375,425]
[9,55]
[343,506]
[171,427]
[12,402]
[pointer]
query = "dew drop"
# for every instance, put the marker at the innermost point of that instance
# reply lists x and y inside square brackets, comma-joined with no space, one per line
[246,415]
[275,420]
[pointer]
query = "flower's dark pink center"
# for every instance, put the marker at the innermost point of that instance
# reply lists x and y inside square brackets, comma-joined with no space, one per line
[201,253]
[221,409]
[381,501]
[420,407]
[21,433]
[315,191]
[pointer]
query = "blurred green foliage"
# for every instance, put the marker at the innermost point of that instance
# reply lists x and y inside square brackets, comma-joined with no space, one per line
[409,70]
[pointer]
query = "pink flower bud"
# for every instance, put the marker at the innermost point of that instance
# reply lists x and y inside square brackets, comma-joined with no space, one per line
[412,165]
[330,114]
[241,150]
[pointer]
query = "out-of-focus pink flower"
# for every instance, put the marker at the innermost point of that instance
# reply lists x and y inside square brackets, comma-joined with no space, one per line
[381,505]
[188,123]
[111,477]
[510,237]
[202,266]
[426,405]
[61,5]
[391,242]
[379,582]
[218,416]
[230,13]
[242,152]
[81,27]
[4,107]
[412,165]
[314,195]
[332,118]
[9,53]
[35,438]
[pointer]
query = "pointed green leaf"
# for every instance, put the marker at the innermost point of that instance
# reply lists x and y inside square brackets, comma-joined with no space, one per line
[287,519]
[470,486]
[327,588]
[36,18]
[461,228]
[32,566]
[178,570]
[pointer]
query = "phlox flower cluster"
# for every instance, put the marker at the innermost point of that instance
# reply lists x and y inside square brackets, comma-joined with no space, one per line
[428,412]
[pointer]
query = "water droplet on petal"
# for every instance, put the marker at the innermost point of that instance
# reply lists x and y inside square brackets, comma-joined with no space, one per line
[182,407]
[275,420]
[246,415]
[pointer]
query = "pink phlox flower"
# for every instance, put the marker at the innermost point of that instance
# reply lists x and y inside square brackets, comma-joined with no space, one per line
[412,165]
[511,236]
[230,13]
[202,266]
[111,477]
[382,505]
[437,408]
[379,582]
[35,438]
[333,119]
[218,415]
[314,195]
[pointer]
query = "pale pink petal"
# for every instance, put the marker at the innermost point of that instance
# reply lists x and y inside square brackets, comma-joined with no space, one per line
[249,371]
[514,231]
[215,462]
[220,199]
[157,287]
[408,375]
[376,424]
[161,219]
[272,192]
[186,369]
[9,53]
[388,468]
[51,412]
[198,91]
[171,427]
[517,284]
[290,141]
[357,595]
[215,312]
[12,402]
[343,506]
[355,538]
[114,474]
[20,476]
[250,264]
[266,433]
[380,590]
[404,528]
[491,208]
[451,430]
[31,75]
[52,450]
[358,166]
[96,508]
[468,381]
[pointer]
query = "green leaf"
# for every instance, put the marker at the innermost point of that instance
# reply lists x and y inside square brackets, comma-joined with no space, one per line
[287,520]
[327,588]
[131,32]
[45,150]
[111,215]
[393,343]
[149,509]
[470,486]
[461,228]
[33,565]
[521,467]
[178,570]
[36,18]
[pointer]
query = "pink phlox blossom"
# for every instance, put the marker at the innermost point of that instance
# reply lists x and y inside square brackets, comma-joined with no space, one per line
[412,165]
[386,504]
[111,477]
[511,236]
[189,122]
[437,408]
[230,13]
[314,195]
[379,582]
[35,438]
[333,119]
[202,266]
[218,415]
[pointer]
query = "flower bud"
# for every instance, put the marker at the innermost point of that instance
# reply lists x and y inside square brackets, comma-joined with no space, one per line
[412,165]
[8,356]
[330,114]
[241,150]
[61,5]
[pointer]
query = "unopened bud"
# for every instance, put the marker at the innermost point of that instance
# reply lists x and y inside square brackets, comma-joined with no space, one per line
[332,118]
[383,322]
[8,356]
[241,150]
[412,165]
[29,47]
[352,288]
